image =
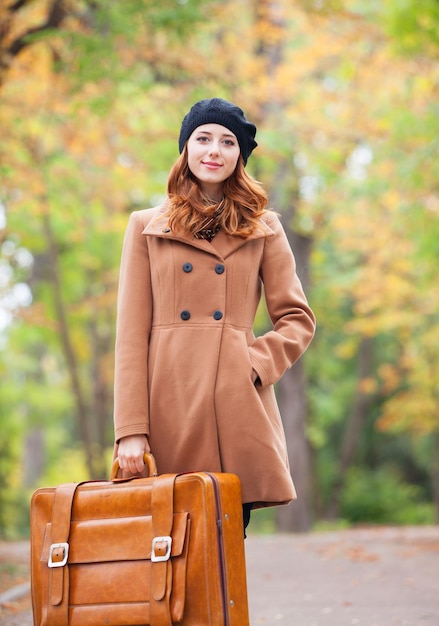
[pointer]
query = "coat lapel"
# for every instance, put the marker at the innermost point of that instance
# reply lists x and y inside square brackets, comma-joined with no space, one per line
[221,246]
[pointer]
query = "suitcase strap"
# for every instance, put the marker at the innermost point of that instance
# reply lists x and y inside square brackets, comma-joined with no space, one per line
[162,509]
[58,604]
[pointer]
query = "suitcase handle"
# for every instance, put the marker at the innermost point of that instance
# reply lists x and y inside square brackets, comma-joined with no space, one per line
[148,459]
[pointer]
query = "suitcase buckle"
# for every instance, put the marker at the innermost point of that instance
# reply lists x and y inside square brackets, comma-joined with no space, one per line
[161,549]
[58,551]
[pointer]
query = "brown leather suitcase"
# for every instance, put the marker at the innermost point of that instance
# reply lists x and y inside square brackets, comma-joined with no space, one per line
[153,551]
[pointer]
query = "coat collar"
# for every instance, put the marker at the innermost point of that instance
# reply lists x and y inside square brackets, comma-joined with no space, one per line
[222,246]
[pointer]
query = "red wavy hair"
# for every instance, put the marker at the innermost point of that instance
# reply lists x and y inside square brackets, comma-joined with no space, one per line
[245,201]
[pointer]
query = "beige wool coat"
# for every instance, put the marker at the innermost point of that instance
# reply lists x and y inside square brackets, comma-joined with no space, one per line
[185,350]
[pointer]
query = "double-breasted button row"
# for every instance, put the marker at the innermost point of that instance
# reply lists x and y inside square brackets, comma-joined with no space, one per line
[185,315]
[188,267]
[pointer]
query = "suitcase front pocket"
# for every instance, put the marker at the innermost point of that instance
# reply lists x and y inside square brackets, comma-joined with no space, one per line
[111,572]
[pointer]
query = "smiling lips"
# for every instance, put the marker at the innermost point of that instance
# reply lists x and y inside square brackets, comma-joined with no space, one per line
[211,164]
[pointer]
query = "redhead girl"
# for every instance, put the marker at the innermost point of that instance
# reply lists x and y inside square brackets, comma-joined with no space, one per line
[193,384]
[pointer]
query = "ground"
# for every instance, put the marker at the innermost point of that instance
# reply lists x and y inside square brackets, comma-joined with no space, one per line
[364,577]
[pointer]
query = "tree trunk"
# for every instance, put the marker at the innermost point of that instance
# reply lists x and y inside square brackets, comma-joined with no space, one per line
[82,412]
[292,402]
[293,405]
[357,419]
[101,396]
[34,457]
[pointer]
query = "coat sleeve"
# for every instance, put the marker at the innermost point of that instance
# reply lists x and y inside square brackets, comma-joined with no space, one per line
[134,316]
[293,321]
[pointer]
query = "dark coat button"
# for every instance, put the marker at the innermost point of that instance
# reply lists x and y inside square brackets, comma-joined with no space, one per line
[185,315]
[219,268]
[218,315]
[187,267]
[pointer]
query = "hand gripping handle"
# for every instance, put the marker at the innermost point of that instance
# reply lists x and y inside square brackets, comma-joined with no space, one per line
[148,459]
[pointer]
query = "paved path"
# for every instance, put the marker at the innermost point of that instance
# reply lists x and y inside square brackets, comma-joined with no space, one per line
[371,577]
[379,577]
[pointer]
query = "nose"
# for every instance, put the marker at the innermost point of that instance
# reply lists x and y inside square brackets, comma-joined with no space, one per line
[214,148]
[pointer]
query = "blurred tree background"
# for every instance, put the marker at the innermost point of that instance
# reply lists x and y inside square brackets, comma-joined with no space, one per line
[345,96]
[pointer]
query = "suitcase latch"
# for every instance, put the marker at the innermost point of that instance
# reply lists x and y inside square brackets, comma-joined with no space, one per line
[58,554]
[161,549]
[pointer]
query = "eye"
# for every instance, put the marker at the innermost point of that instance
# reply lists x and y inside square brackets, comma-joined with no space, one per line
[203,139]
[229,142]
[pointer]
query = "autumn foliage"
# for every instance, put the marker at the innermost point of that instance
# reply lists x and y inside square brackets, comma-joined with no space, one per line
[345,98]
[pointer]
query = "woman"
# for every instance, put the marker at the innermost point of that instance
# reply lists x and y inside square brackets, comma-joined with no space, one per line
[192,383]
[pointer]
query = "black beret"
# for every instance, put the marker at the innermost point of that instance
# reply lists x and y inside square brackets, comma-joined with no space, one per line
[219,111]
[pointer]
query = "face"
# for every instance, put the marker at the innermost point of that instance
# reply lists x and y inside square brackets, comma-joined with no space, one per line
[213,152]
